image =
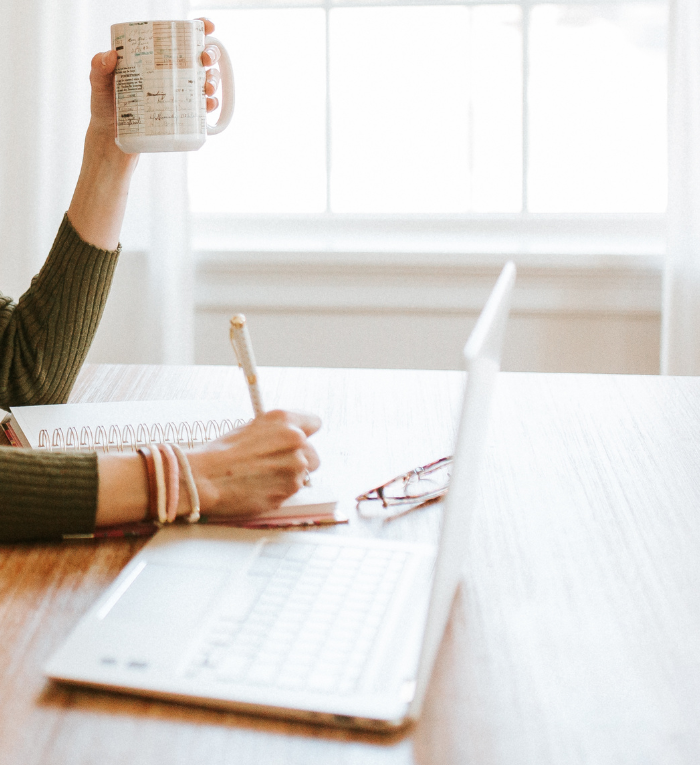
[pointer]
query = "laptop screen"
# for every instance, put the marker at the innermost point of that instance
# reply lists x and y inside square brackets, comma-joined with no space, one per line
[482,358]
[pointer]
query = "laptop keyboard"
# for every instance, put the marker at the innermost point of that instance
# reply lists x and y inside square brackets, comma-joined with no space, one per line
[308,619]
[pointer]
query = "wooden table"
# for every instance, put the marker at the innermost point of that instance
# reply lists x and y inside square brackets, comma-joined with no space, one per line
[575,637]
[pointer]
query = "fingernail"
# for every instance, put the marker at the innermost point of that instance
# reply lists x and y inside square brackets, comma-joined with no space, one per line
[104,58]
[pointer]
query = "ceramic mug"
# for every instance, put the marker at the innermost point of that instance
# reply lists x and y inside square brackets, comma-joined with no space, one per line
[159,86]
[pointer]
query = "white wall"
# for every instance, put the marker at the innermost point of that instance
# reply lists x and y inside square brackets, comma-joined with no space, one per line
[535,342]
[368,314]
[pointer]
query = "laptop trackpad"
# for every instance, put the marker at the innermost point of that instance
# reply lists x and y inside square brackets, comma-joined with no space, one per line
[164,598]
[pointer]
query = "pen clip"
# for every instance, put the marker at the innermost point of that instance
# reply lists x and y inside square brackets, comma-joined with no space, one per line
[234,345]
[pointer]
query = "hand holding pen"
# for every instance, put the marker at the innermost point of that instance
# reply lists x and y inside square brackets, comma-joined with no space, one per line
[243,348]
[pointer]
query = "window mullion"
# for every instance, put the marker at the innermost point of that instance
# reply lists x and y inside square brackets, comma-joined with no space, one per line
[327,9]
[526,105]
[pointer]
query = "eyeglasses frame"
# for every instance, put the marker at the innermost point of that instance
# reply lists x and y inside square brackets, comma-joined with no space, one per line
[405,478]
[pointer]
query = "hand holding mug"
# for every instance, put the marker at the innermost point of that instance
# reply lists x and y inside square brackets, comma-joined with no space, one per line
[97,208]
[162,89]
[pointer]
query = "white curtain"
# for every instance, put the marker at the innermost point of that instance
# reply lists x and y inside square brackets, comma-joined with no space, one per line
[45,52]
[680,332]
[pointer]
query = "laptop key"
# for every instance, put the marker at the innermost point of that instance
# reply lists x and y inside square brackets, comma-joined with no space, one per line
[275,550]
[300,552]
[326,552]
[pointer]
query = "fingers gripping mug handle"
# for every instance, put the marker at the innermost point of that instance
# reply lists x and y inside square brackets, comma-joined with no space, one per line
[228,95]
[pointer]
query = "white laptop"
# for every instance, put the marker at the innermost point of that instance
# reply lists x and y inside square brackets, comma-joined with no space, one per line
[321,627]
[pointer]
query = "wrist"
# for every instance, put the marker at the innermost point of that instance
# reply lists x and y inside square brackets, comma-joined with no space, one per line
[102,151]
[208,496]
[99,201]
[122,495]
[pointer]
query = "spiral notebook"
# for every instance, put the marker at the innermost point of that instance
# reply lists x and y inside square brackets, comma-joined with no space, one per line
[124,426]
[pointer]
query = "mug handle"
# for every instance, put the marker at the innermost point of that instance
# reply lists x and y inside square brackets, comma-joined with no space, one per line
[228,95]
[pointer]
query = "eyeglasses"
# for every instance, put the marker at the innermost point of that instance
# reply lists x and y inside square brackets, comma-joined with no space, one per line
[406,492]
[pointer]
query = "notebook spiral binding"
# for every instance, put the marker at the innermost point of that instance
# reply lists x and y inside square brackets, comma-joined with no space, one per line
[126,439]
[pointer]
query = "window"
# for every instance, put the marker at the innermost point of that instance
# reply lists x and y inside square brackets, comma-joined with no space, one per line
[459,110]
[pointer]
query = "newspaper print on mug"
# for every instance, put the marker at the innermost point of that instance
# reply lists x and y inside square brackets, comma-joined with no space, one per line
[157,81]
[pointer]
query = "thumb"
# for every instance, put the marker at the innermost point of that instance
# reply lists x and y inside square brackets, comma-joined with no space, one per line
[102,68]
[102,83]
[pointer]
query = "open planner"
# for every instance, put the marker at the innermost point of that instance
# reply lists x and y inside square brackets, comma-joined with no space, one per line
[122,426]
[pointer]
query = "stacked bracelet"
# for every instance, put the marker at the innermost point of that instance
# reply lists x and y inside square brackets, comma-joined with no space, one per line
[164,463]
[160,484]
[172,473]
[147,455]
[193,517]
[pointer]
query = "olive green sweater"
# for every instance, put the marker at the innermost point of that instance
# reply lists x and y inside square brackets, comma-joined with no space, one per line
[44,339]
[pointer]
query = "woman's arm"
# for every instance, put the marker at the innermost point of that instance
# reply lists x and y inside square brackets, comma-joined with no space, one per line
[45,337]
[44,340]
[248,471]
[245,472]
[97,208]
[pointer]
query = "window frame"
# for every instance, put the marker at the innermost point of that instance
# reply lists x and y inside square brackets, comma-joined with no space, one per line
[583,239]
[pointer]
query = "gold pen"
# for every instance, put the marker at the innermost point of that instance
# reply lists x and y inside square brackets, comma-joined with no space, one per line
[243,348]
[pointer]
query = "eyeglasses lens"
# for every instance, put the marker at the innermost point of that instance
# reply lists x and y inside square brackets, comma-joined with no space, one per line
[419,483]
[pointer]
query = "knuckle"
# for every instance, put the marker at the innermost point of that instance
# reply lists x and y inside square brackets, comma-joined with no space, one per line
[298,461]
[296,440]
[313,460]
[294,482]
[287,440]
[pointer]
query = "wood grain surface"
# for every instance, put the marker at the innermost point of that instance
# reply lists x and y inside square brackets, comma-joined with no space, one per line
[574,637]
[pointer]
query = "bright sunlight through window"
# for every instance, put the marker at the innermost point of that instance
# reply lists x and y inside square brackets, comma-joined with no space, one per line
[485,107]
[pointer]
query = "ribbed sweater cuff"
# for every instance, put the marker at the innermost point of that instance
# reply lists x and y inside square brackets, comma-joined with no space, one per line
[43,496]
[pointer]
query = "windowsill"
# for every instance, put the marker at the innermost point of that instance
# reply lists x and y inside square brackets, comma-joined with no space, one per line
[552,241]
[591,265]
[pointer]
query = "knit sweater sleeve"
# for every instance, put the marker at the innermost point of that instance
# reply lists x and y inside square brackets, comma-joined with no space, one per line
[45,495]
[44,339]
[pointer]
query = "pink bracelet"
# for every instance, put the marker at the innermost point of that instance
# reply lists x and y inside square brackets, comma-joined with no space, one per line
[172,480]
[145,452]
[160,483]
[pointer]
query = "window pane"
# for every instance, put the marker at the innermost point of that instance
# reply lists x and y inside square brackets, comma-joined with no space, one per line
[597,96]
[425,109]
[272,157]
